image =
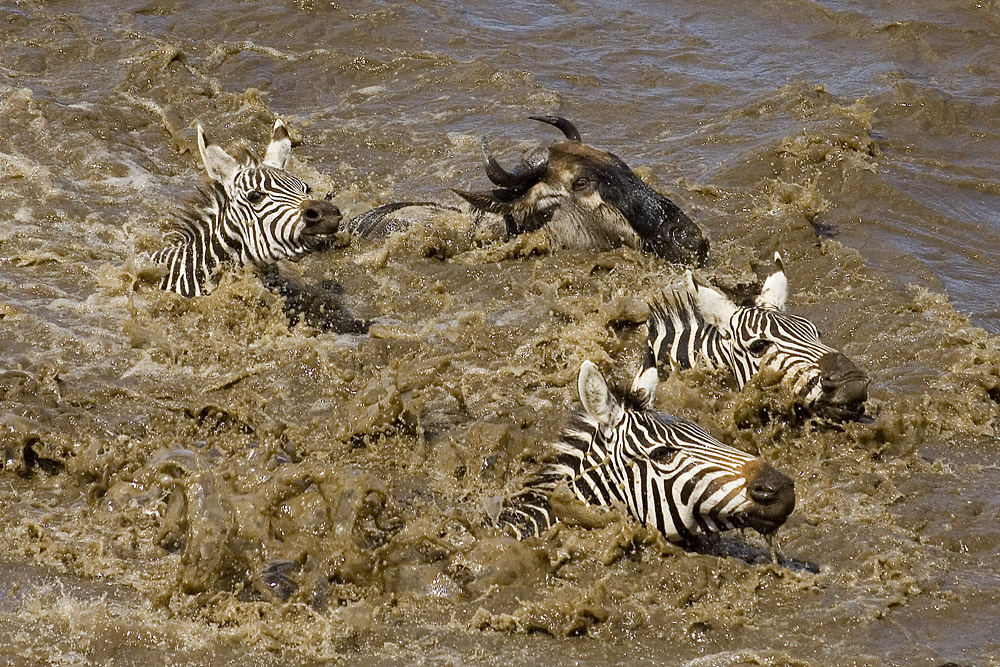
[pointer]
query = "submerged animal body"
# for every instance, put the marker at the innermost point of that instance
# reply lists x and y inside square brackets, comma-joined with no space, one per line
[669,473]
[583,197]
[253,212]
[700,324]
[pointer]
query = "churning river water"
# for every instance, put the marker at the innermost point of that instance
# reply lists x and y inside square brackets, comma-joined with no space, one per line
[158,452]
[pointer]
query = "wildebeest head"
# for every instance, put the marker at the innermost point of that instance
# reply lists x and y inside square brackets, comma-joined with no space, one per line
[586,198]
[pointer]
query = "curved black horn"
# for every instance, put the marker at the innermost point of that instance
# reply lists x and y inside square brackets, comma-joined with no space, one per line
[567,127]
[510,179]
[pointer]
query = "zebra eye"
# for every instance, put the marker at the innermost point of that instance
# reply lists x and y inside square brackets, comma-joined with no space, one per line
[662,453]
[255,196]
[308,190]
[759,347]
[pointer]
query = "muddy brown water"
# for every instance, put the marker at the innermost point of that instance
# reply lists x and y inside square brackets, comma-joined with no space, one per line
[176,447]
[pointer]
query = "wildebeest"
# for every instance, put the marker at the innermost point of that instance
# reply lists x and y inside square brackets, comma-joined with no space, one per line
[582,196]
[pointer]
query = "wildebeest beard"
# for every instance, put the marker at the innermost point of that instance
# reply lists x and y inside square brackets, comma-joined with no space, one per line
[589,198]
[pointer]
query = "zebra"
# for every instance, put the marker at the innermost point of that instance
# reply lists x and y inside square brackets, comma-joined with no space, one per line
[702,324]
[669,473]
[253,212]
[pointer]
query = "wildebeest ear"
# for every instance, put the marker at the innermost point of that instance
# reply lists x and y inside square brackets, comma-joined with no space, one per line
[597,400]
[280,147]
[484,201]
[715,307]
[774,293]
[645,383]
[219,164]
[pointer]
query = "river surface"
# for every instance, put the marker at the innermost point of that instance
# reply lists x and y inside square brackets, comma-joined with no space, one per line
[159,452]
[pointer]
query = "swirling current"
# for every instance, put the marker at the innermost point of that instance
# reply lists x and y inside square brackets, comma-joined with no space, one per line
[173,469]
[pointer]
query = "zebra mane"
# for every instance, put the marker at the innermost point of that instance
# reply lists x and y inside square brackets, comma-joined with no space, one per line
[574,457]
[245,156]
[628,398]
[196,215]
[676,303]
[677,329]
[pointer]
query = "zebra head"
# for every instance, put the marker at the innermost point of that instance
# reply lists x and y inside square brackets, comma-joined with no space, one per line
[265,213]
[668,472]
[704,324]
[585,197]
[253,212]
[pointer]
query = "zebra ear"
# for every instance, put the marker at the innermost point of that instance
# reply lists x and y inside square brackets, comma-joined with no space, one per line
[774,293]
[645,383]
[218,163]
[280,147]
[594,394]
[715,307]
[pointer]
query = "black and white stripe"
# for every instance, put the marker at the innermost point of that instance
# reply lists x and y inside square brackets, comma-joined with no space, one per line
[668,473]
[252,213]
[701,325]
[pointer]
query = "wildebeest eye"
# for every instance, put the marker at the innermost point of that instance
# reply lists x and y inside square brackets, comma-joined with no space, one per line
[255,196]
[759,346]
[581,183]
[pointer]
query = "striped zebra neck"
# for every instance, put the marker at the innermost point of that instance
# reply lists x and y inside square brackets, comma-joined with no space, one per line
[528,512]
[679,333]
[201,245]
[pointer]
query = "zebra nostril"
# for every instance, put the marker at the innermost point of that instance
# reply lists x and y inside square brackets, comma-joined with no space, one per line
[763,493]
[322,213]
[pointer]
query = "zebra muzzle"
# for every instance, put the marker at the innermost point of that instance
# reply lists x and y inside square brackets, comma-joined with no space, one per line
[844,388]
[322,220]
[773,496]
